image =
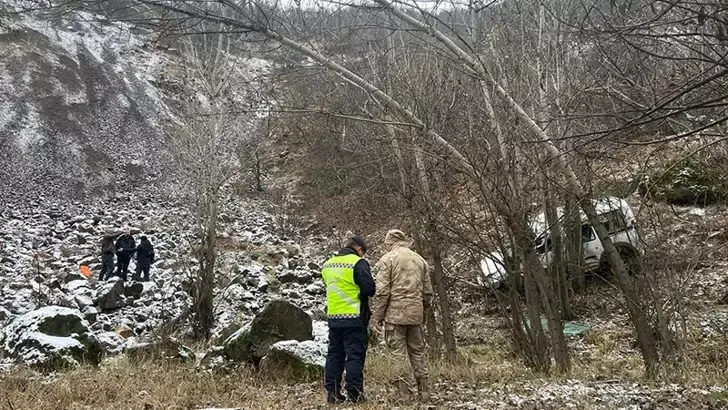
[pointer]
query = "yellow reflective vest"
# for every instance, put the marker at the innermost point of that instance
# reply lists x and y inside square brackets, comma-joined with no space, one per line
[342,293]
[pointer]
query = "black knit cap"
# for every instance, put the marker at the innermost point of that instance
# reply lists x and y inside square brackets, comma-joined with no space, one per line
[358,240]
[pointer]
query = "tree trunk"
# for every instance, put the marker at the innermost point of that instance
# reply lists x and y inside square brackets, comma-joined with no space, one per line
[204,317]
[438,276]
[539,290]
[645,332]
[437,272]
[258,173]
[433,339]
[541,360]
[574,245]
[557,268]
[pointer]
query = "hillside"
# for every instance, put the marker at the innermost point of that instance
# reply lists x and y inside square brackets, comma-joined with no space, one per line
[88,107]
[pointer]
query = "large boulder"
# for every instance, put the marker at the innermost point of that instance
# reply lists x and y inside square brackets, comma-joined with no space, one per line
[278,321]
[300,361]
[51,338]
[111,295]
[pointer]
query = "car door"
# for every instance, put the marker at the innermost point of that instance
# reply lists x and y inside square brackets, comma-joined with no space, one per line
[592,248]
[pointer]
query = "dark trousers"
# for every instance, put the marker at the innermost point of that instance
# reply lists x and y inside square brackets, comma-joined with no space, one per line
[142,267]
[123,267]
[347,351]
[107,266]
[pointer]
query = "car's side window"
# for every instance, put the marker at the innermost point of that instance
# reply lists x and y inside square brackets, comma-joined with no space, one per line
[587,233]
[614,221]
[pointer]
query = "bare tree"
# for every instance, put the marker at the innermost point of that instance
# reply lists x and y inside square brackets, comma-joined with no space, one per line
[207,140]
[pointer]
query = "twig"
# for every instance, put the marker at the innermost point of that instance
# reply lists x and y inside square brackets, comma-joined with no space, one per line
[7,398]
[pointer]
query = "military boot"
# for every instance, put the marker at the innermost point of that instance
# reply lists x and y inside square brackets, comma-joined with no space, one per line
[404,395]
[423,389]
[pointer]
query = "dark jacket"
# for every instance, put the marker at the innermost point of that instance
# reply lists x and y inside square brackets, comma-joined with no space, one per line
[145,253]
[107,246]
[127,245]
[363,279]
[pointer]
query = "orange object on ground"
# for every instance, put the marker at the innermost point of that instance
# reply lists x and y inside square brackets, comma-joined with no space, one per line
[86,271]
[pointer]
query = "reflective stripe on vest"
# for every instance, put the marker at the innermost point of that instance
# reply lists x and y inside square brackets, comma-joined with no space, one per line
[342,293]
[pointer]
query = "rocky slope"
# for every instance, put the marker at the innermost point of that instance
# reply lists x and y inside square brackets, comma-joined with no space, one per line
[44,246]
[83,101]
[78,109]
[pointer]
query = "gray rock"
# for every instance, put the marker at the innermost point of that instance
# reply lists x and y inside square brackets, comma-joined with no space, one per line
[286,277]
[111,295]
[279,320]
[51,338]
[111,342]
[215,359]
[165,348]
[315,289]
[302,361]
[90,313]
[293,250]
[83,301]
[318,314]
[70,277]
[134,290]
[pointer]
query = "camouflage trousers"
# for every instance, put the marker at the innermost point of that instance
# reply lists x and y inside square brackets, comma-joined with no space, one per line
[406,345]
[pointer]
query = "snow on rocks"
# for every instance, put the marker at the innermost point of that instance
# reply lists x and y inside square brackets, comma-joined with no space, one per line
[111,295]
[42,259]
[165,348]
[51,338]
[321,332]
[299,360]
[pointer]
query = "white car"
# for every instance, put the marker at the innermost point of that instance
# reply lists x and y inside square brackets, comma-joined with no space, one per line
[617,217]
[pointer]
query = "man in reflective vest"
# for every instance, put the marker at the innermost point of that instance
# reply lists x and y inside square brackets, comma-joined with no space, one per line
[349,285]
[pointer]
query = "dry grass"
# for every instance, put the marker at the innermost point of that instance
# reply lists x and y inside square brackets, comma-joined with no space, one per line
[120,384]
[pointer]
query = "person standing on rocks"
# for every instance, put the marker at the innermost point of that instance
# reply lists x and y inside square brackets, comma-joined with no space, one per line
[404,292]
[107,257]
[125,248]
[349,285]
[145,258]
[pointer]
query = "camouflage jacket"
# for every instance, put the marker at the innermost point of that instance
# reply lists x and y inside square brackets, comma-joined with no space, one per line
[404,289]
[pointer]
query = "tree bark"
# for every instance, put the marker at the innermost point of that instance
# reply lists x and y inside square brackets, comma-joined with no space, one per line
[438,277]
[437,272]
[557,268]
[645,332]
[574,245]
[204,317]
[539,290]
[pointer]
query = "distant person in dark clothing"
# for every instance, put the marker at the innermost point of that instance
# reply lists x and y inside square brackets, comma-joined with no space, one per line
[145,259]
[125,248]
[107,257]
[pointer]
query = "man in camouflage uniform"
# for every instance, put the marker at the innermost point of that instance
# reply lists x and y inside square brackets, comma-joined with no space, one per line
[403,295]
